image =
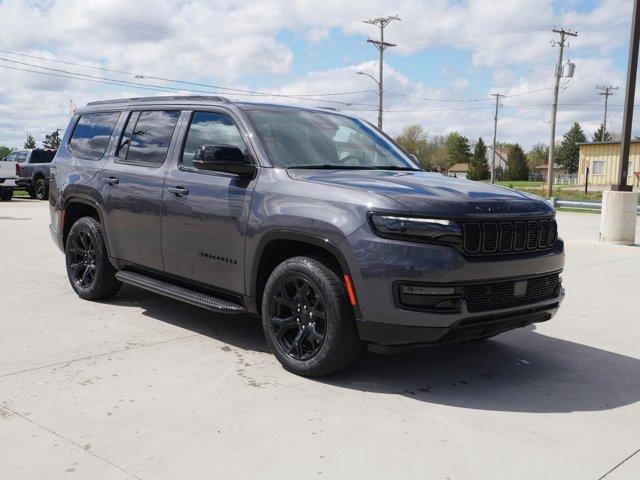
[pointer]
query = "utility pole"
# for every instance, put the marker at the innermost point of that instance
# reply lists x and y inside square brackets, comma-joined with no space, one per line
[554,108]
[495,131]
[606,92]
[381,45]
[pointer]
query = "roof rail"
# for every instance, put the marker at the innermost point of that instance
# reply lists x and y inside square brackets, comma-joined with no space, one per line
[210,98]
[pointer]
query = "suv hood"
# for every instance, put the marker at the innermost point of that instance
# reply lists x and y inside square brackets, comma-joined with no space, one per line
[424,193]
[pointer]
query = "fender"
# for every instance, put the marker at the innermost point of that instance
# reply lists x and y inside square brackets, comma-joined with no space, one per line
[85,199]
[296,236]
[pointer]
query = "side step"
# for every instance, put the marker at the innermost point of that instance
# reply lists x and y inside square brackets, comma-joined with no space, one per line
[179,293]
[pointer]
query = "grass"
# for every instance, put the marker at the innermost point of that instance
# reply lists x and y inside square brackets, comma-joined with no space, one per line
[561,192]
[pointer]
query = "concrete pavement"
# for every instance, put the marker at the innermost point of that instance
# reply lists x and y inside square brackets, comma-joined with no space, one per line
[149,388]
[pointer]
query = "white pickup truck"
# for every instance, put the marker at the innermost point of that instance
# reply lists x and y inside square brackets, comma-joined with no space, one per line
[9,171]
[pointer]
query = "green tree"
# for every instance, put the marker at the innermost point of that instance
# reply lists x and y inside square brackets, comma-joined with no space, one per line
[569,153]
[30,143]
[538,155]
[597,135]
[517,168]
[478,168]
[4,151]
[414,140]
[51,140]
[457,148]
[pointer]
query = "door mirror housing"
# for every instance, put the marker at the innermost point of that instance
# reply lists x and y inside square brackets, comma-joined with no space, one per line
[223,158]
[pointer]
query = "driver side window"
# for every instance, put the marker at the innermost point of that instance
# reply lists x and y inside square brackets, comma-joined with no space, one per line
[210,128]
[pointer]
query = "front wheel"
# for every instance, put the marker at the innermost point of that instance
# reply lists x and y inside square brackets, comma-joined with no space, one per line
[90,273]
[307,319]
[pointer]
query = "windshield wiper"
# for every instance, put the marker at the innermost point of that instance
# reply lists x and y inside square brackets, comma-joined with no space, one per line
[396,167]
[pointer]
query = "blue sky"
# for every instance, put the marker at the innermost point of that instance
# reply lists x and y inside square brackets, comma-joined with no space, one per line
[448,51]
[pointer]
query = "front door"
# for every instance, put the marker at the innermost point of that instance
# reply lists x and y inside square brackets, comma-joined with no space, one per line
[132,186]
[205,213]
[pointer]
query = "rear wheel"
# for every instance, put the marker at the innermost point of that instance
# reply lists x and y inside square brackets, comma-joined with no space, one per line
[41,189]
[88,268]
[31,192]
[6,194]
[307,319]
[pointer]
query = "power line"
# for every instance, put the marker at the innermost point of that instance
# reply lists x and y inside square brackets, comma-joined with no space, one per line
[606,91]
[381,45]
[554,108]
[495,132]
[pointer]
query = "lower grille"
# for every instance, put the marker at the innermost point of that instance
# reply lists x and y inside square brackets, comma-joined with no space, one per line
[513,293]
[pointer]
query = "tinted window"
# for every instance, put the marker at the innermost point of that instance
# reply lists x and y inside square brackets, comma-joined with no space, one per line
[42,156]
[150,138]
[91,135]
[210,128]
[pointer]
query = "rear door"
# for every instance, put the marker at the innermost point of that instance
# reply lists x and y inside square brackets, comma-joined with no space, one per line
[132,187]
[205,213]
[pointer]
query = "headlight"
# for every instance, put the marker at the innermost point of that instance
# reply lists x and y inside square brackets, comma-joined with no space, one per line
[418,228]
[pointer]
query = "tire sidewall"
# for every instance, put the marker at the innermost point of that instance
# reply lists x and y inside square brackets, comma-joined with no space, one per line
[92,228]
[336,313]
[44,194]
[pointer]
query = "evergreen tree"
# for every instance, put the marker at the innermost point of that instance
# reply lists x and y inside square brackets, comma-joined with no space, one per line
[30,143]
[517,168]
[478,168]
[457,148]
[569,153]
[597,135]
[51,141]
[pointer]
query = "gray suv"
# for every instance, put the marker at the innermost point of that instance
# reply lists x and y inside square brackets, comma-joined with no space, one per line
[313,220]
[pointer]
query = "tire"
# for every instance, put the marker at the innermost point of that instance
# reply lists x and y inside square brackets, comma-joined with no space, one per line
[88,268]
[31,192]
[306,345]
[6,194]
[41,189]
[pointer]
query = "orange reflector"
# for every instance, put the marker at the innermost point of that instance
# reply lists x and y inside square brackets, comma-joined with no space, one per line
[350,291]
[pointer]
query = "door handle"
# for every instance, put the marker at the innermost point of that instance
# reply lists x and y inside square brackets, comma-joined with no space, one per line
[111,181]
[179,191]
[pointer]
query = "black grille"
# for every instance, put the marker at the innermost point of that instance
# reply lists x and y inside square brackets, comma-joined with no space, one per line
[486,238]
[513,293]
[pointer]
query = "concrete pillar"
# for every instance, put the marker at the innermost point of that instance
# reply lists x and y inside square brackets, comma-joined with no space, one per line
[618,220]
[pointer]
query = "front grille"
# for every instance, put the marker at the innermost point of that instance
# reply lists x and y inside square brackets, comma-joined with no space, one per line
[486,238]
[513,293]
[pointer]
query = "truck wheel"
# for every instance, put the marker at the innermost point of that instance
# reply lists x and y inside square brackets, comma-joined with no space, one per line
[31,192]
[90,273]
[307,319]
[41,189]
[6,194]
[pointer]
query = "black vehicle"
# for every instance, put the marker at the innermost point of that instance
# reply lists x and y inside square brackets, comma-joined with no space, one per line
[34,171]
[311,219]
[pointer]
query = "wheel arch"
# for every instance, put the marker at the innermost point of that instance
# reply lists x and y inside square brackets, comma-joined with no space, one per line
[75,208]
[276,247]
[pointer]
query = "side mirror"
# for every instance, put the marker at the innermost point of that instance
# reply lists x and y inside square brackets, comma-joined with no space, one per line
[223,158]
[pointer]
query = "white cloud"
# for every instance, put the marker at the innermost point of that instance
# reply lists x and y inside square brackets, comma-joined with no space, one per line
[224,41]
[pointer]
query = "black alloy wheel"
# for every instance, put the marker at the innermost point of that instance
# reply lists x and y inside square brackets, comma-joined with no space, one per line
[82,259]
[298,318]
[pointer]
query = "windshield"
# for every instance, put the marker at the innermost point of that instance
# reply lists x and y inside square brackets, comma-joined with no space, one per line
[306,139]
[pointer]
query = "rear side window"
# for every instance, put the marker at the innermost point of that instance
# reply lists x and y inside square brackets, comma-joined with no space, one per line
[92,133]
[42,156]
[147,136]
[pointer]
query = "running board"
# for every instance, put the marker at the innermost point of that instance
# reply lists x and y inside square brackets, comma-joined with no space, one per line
[180,293]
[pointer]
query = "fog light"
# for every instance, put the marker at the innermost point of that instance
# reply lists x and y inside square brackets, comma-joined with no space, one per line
[420,290]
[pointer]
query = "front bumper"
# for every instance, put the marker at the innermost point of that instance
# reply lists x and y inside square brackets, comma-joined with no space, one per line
[378,265]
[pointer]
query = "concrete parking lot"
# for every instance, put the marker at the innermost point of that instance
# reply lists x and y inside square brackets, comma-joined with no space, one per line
[149,388]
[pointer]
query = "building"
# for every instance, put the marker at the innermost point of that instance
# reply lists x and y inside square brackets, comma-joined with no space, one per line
[540,172]
[501,158]
[459,170]
[603,160]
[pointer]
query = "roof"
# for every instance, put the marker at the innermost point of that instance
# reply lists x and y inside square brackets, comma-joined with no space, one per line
[612,142]
[460,167]
[191,100]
